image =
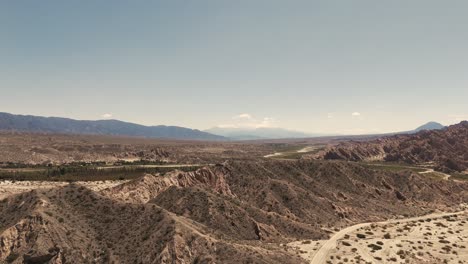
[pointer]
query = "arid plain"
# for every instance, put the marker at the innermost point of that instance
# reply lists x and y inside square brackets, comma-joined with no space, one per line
[102,199]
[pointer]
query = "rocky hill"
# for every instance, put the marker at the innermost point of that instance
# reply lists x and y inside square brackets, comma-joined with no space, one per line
[446,149]
[28,123]
[74,224]
[236,212]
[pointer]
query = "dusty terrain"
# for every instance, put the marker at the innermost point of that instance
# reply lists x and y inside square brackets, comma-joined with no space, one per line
[44,148]
[238,211]
[27,148]
[435,238]
[234,206]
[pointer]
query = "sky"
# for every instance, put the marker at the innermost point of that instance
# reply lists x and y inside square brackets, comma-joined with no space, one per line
[331,66]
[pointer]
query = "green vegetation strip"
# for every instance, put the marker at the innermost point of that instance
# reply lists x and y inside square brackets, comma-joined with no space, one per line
[459,176]
[391,167]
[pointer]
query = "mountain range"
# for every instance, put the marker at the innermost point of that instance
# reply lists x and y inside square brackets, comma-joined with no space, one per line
[281,133]
[259,133]
[39,124]
[28,123]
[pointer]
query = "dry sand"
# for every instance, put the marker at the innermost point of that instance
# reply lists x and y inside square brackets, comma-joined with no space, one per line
[438,238]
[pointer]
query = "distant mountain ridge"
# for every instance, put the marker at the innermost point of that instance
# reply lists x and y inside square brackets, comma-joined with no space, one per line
[429,126]
[258,133]
[29,123]
[281,133]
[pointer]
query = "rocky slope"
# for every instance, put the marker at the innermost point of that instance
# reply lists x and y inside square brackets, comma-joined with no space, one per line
[73,224]
[277,200]
[236,212]
[149,186]
[446,149]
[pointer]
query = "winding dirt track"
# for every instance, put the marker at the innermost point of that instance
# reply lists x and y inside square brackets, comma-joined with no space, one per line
[322,254]
[444,175]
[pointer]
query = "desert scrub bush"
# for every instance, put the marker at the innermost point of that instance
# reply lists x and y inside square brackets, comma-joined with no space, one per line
[48,213]
[12,257]
[447,248]
[374,247]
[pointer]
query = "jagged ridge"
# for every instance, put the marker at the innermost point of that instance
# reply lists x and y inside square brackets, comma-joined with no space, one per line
[447,149]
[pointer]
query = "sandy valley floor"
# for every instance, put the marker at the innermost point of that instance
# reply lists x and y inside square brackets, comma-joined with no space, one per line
[438,238]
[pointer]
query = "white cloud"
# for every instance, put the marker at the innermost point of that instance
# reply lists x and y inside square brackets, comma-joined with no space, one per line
[330,115]
[356,114]
[243,116]
[106,116]
[267,122]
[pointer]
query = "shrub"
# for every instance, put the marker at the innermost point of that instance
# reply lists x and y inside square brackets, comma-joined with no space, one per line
[360,236]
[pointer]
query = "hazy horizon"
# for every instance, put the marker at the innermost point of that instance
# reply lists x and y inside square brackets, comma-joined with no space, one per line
[242,127]
[331,67]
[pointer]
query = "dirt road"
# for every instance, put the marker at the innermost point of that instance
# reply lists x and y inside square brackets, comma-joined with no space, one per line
[445,176]
[154,166]
[442,175]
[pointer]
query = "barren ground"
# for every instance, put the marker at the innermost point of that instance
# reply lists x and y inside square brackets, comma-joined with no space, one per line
[436,238]
[239,207]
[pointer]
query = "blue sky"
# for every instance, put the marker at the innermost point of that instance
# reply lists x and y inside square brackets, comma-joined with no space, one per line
[315,66]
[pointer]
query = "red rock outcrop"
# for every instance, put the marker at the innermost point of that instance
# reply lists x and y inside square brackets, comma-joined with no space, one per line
[446,149]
